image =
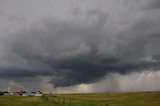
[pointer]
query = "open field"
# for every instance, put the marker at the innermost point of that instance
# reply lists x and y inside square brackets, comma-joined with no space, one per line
[97,99]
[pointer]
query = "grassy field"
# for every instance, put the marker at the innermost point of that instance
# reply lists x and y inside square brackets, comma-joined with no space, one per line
[97,99]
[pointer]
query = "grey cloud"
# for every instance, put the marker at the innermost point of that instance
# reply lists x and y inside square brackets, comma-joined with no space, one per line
[154,4]
[85,46]
[38,83]
[136,81]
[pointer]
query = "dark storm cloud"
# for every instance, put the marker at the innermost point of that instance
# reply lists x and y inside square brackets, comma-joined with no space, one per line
[19,73]
[154,4]
[86,46]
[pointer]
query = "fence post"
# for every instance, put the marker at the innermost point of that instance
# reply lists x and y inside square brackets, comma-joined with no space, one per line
[63,102]
[70,103]
[106,104]
[82,102]
[59,102]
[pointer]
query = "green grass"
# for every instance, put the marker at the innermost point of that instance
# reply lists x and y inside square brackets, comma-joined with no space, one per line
[24,101]
[95,99]
[117,99]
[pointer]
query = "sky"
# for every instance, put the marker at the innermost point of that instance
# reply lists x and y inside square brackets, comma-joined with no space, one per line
[76,46]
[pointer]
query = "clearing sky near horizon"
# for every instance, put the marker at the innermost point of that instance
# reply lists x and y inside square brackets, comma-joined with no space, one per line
[80,45]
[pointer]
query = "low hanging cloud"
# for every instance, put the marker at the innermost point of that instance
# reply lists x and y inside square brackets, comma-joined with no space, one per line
[80,43]
[139,81]
[113,82]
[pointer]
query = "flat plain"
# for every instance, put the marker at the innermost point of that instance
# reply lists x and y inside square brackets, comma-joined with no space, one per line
[89,99]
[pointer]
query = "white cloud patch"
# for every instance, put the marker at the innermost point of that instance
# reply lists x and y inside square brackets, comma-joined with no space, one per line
[39,83]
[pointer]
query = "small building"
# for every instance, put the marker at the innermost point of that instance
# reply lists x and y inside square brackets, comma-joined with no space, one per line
[32,94]
[24,94]
[7,93]
[37,94]
[27,94]
[14,93]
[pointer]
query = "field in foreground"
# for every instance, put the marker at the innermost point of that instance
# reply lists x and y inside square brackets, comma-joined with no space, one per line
[97,99]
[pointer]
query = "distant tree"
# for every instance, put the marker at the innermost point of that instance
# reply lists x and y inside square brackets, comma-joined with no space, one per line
[40,92]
